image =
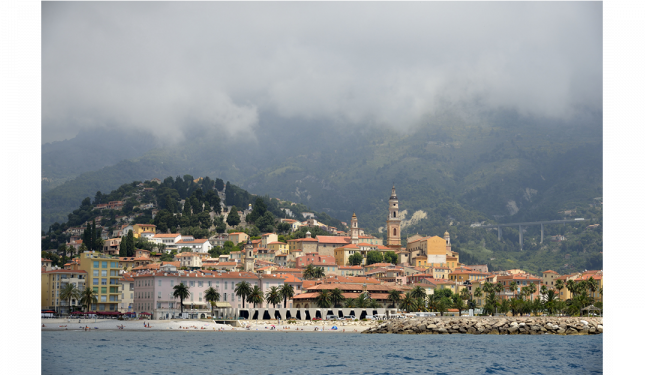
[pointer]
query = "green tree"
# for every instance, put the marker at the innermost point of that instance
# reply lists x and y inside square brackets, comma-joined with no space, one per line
[532,289]
[182,292]
[68,293]
[478,294]
[242,290]
[273,296]
[212,296]
[374,257]
[458,304]
[394,296]
[337,297]
[513,286]
[219,184]
[418,292]
[356,259]
[88,297]
[408,303]
[442,304]
[390,257]
[130,243]
[559,285]
[233,218]
[286,292]
[309,272]
[255,296]
[323,299]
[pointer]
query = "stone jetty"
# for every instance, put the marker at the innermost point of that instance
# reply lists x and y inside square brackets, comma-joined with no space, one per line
[491,326]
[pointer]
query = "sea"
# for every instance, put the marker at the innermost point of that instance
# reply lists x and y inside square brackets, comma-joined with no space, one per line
[249,352]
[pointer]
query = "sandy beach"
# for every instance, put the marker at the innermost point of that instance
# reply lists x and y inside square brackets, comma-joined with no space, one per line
[202,325]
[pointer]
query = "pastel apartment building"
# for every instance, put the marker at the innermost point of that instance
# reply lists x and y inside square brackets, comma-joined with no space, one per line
[103,276]
[51,284]
[153,291]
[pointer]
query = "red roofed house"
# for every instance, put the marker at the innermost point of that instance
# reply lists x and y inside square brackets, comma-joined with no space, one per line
[307,244]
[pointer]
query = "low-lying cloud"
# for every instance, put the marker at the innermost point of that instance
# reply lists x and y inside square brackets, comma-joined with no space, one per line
[165,66]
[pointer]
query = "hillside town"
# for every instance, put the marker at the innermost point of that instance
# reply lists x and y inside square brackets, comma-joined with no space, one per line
[297,277]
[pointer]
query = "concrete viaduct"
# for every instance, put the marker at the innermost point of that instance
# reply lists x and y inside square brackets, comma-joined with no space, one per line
[520,225]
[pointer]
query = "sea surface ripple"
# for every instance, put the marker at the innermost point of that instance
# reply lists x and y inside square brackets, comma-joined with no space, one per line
[122,352]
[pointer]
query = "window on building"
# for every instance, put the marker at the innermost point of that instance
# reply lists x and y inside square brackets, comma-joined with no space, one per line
[192,283]
[101,307]
[225,285]
[95,273]
[159,295]
[104,264]
[158,305]
[103,298]
[159,282]
[104,273]
[224,297]
[103,290]
[172,283]
[96,264]
[95,281]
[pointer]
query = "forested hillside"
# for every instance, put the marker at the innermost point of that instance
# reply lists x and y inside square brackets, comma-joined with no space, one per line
[450,172]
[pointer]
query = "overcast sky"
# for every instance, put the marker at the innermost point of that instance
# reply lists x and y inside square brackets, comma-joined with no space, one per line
[164,66]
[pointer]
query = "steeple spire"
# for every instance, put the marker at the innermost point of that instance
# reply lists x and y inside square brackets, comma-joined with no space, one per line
[393,196]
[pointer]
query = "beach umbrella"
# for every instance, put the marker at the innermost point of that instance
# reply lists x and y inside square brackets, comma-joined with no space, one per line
[334,327]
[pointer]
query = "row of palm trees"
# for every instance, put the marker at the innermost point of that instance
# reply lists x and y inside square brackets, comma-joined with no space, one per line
[550,302]
[243,290]
[86,298]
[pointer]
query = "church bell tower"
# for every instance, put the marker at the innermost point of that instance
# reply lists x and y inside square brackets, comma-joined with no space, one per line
[354,229]
[394,222]
[249,260]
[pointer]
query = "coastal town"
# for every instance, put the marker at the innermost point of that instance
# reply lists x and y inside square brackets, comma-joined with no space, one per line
[346,273]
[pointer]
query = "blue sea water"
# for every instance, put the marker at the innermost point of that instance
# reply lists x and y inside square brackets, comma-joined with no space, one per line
[159,352]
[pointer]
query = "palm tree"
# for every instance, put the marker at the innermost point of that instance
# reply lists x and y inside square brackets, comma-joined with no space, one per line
[532,289]
[337,297]
[499,288]
[68,292]
[394,296]
[255,296]
[592,285]
[571,287]
[505,306]
[513,286]
[88,297]
[478,294]
[309,272]
[362,301]
[559,285]
[543,290]
[350,303]
[408,303]
[181,291]
[550,301]
[273,296]
[319,272]
[418,292]
[465,294]
[323,299]
[286,292]
[442,304]
[458,304]
[374,304]
[242,290]
[212,296]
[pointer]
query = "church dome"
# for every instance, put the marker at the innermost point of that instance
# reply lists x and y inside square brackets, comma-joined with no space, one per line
[446,234]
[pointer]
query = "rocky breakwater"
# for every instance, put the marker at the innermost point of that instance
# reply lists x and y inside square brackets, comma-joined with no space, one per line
[492,326]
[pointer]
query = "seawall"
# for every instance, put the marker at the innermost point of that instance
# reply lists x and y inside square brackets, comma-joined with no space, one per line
[492,326]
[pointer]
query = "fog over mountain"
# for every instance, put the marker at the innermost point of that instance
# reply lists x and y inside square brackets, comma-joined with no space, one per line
[168,68]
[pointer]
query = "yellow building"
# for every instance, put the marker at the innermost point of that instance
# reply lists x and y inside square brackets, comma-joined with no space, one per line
[103,276]
[462,274]
[137,229]
[278,247]
[52,283]
[430,252]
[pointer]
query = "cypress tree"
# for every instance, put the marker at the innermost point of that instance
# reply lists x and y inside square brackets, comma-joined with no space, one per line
[130,244]
[123,247]
[92,244]
[233,218]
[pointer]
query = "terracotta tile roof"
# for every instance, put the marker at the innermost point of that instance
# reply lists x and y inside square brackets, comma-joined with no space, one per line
[549,271]
[350,268]
[304,240]
[276,242]
[333,239]
[381,265]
